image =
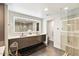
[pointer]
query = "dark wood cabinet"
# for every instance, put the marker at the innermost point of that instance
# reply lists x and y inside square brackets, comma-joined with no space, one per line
[43,37]
[27,41]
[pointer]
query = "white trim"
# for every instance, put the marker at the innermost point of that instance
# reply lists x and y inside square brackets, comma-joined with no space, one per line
[37,21]
[6,30]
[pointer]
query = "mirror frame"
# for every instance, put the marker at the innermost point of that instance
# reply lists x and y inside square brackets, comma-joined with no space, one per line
[14,19]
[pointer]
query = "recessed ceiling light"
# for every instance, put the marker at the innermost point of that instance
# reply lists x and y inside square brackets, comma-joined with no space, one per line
[46,9]
[66,8]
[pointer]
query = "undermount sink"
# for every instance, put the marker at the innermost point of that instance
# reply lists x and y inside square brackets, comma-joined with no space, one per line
[28,35]
[22,36]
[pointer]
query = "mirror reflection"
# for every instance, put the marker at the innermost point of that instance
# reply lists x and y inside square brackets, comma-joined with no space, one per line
[23,25]
[29,26]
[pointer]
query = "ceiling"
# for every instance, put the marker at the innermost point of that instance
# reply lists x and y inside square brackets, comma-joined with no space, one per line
[38,8]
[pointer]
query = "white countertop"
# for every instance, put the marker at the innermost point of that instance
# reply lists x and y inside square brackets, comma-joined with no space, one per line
[12,37]
[2,48]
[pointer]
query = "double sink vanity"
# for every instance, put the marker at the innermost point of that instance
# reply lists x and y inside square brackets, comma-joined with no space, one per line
[26,32]
[27,41]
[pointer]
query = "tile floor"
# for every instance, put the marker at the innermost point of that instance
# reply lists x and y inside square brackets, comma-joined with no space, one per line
[48,51]
[41,50]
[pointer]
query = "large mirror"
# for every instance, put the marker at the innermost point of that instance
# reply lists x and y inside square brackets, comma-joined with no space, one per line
[23,25]
[26,25]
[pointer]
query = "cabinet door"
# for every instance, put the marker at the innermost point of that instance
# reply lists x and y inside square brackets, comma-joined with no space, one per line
[57,33]
[43,38]
[10,42]
[35,40]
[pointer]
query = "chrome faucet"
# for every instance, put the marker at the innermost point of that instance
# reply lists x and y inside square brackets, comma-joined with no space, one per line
[22,34]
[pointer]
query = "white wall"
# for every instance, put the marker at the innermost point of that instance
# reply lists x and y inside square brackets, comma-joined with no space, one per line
[57,33]
[54,31]
[6,30]
[21,9]
[44,26]
[50,28]
[11,27]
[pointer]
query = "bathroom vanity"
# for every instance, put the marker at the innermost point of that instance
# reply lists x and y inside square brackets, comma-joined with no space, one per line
[27,41]
[25,31]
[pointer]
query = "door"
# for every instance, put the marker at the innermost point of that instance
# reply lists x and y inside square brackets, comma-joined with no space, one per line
[57,33]
[50,27]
